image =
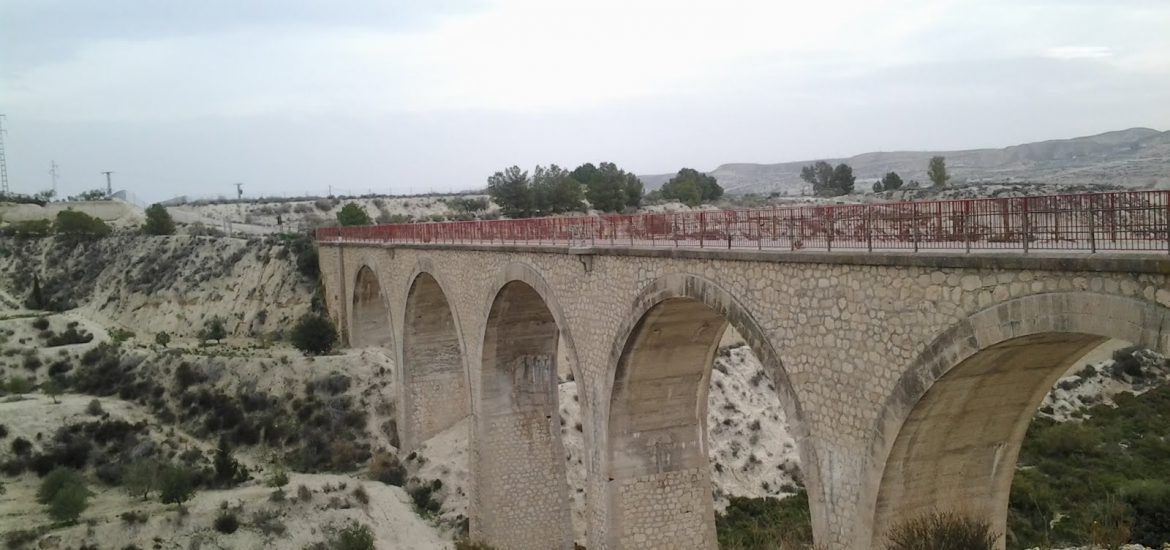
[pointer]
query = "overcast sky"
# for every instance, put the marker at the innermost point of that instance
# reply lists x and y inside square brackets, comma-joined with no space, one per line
[290,97]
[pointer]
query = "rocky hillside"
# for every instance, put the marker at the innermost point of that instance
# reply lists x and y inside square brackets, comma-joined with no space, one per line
[172,284]
[1137,157]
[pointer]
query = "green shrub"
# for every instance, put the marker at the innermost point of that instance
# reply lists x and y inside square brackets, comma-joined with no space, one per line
[64,491]
[226,522]
[40,323]
[278,478]
[213,329]
[68,504]
[353,214]
[941,531]
[1149,501]
[314,334]
[761,523]
[33,229]
[158,221]
[355,536]
[55,481]
[79,225]
[162,339]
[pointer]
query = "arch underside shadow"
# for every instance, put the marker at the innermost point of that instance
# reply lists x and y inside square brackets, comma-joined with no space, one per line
[958,448]
[957,422]
[370,326]
[658,478]
[520,456]
[434,394]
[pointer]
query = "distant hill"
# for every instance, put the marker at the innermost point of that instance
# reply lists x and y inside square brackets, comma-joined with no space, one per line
[1137,157]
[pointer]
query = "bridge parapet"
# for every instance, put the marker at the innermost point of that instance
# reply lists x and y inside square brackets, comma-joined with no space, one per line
[1092,222]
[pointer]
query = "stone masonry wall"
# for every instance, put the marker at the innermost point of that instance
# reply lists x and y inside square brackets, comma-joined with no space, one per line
[846,329]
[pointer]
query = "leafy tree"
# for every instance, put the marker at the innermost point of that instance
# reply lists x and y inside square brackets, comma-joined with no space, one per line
[584,173]
[36,298]
[52,389]
[158,221]
[555,191]
[828,181]
[842,182]
[353,214]
[512,191]
[314,334]
[634,192]
[228,471]
[877,186]
[692,187]
[176,484]
[609,188]
[819,175]
[213,329]
[937,171]
[162,339]
[890,182]
[79,225]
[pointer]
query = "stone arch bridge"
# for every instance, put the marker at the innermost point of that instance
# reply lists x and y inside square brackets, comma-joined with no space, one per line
[909,379]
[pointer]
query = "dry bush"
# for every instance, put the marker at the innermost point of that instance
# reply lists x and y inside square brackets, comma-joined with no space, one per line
[942,531]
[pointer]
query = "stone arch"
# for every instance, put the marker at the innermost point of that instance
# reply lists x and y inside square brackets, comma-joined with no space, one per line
[520,458]
[433,373]
[369,312]
[658,489]
[950,432]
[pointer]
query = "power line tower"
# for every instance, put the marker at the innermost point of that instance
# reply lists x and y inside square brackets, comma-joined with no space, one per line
[3,160]
[54,173]
[109,186]
[239,191]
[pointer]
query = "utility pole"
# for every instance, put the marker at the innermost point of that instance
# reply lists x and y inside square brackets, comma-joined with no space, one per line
[109,186]
[3,160]
[239,191]
[54,173]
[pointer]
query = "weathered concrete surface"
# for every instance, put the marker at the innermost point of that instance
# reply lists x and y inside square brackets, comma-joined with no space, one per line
[908,379]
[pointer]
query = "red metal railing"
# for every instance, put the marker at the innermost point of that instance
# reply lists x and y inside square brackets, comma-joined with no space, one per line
[1135,221]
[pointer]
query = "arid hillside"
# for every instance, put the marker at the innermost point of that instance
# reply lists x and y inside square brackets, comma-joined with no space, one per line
[1137,157]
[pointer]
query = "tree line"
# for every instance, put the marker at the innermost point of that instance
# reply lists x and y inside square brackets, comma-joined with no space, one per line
[833,181]
[555,190]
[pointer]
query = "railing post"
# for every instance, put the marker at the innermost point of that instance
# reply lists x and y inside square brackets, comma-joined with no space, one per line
[1027,225]
[967,225]
[630,229]
[760,232]
[702,228]
[791,230]
[674,228]
[869,227]
[829,233]
[1166,199]
[914,223]
[1092,227]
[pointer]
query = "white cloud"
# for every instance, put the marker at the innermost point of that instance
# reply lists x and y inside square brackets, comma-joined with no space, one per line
[536,56]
